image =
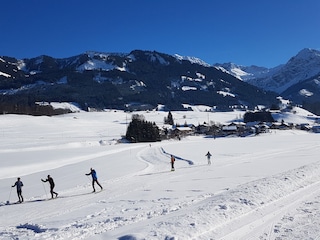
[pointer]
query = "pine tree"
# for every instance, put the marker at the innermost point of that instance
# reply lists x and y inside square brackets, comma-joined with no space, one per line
[169,119]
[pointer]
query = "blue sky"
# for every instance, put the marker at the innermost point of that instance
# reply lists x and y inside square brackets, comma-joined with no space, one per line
[248,32]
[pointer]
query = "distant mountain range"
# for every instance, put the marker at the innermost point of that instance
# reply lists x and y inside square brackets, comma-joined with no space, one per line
[298,80]
[145,79]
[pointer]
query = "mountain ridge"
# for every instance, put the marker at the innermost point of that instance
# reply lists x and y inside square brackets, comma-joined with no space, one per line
[144,79]
[137,80]
[305,64]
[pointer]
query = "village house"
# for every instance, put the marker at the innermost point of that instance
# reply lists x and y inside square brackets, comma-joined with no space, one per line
[233,128]
[182,131]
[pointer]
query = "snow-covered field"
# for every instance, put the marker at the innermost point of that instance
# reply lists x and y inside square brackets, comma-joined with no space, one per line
[262,187]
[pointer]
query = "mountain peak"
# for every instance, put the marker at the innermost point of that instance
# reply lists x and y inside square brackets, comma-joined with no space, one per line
[307,53]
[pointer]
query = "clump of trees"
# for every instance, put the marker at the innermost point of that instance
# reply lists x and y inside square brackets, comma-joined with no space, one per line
[313,107]
[262,116]
[140,130]
[24,106]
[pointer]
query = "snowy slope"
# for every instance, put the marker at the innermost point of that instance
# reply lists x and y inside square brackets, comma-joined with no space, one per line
[263,187]
[194,60]
[244,73]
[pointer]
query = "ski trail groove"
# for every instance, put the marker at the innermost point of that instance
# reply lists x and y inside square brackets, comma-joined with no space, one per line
[251,225]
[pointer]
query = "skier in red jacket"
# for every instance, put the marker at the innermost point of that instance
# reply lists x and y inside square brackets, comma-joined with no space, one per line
[172,162]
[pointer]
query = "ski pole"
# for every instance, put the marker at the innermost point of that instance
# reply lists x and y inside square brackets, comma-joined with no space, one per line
[9,196]
[89,178]
[45,189]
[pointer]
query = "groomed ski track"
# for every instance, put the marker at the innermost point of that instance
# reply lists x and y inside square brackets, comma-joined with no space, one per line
[256,220]
[155,203]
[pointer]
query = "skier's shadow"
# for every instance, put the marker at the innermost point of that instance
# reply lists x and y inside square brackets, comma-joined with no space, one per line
[24,202]
[44,199]
[153,173]
[76,195]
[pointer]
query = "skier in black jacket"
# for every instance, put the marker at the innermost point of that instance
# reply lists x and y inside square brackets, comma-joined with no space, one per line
[51,182]
[19,186]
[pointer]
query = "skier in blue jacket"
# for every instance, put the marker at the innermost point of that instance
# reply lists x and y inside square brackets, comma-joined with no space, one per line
[19,186]
[93,174]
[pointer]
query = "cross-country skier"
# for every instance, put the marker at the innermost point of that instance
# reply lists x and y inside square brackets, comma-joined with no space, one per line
[51,182]
[93,174]
[172,162]
[19,186]
[208,157]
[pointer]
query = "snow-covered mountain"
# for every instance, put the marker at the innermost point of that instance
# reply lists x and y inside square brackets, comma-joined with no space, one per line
[139,80]
[244,73]
[297,80]
[148,78]
[304,65]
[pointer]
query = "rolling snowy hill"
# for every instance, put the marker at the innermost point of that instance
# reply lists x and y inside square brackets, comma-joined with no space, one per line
[262,187]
